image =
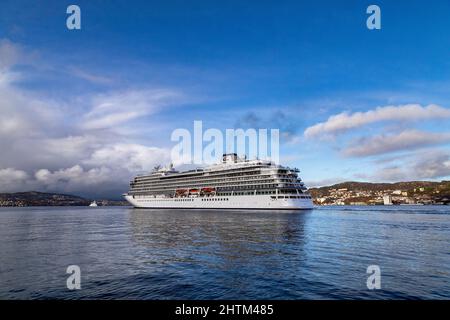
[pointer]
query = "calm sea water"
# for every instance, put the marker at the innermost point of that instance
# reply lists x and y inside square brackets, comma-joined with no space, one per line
[149,254]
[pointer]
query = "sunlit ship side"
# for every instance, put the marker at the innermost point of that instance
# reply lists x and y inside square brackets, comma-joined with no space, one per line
[233,184]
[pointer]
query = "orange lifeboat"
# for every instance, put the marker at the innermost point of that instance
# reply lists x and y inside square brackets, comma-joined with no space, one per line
[181,192]
[208,190]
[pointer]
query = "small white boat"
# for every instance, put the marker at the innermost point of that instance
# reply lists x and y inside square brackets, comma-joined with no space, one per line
[93,204]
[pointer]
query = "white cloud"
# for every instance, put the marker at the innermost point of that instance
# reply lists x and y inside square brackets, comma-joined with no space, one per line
[424,166]
[324,182]
[406,140]
[94,182]
[11,178]
[113,109]
[22,113]
[10,54]
[75,176]
[104,172]
[64,158]
[82,74]
[345,121]
[107,169]
[132,157]
[26,114]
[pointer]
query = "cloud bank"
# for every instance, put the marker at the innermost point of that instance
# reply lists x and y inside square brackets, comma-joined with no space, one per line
[385,135]
[422,166]
[343,122]
[76,146]
[405,140]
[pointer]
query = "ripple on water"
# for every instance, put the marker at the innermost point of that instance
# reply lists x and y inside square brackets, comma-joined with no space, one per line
[148,254]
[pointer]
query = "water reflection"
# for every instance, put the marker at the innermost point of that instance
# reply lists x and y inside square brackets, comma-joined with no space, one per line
[222,239]
[181,228]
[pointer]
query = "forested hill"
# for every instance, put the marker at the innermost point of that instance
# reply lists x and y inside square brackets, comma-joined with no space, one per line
[34,198]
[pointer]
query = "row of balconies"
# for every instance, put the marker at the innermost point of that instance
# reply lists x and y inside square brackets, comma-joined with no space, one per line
[220,182]
[210,181]
[229,172]
[228,187]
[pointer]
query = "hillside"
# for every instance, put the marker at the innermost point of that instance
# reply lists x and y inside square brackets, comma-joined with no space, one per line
[411,192]
[33,198]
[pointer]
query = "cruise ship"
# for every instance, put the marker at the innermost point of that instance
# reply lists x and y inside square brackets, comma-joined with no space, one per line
[235,183]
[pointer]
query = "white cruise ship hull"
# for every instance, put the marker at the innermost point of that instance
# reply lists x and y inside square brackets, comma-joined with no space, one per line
[260,202]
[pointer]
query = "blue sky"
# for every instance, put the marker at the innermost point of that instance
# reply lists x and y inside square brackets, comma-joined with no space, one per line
[82,106]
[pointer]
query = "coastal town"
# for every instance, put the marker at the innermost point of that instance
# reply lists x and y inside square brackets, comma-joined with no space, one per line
[402,193]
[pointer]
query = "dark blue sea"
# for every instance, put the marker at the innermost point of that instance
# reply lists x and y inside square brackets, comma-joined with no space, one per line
[126,253]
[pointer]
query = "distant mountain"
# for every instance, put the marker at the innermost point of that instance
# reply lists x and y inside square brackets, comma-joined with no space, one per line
[33,198]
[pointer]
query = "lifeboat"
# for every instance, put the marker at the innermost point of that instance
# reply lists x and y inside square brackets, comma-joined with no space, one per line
[193,191]
[181,192]
[208,190]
